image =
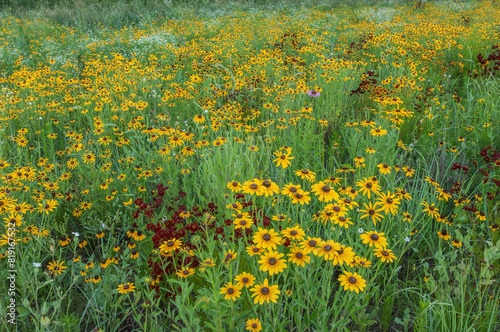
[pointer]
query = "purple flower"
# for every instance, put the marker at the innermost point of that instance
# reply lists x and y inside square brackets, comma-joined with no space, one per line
[313,93]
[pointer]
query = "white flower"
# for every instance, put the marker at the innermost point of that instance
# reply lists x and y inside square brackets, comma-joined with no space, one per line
[75,234]
[37,264]
[407,239]
[361,231]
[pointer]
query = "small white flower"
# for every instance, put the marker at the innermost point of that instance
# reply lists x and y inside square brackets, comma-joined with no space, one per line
[361,231]
[407,239]
[37,264]
[75,234]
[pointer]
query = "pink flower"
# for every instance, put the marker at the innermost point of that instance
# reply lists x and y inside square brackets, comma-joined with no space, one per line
[313,93]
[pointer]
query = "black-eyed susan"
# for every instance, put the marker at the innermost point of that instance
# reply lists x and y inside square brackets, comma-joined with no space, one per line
[170,245]
[290,189]
[269,188]
[266,238]
[431,209]
[327,249]
[374,238]
[325,192]
[235,206]
[56,268]
[100,234]
[134,254]
[254,250]
[64,241]
[283,158]
[443,234]
[456,243]
[265,292]
[271,262]
[293,233]
[363,262]
[494,227]
[306,174]
[139,236]
[372,212]
[310,244]
[389,203]
[352,281]
[184,272]
[301,197]
[253,325]
[126,288]
[245,279]
[384,168]
[367,186]
[235,186]
[253,187]
[342,255]
[231,292]
[384,254]
[229,256]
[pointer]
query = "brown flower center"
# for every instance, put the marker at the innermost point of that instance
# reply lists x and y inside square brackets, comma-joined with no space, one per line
[352,280]
[266,183]
[327,247]
[326,189]
[312,243]
[230,291]
[254,186]
[293,233]
[126,286]
[272,261]
[374,237]
[266,237]
[385,253]
[185,272]
[264,290]
[170,243]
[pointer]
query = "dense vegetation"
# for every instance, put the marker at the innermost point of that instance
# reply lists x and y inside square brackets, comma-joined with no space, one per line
[244,165]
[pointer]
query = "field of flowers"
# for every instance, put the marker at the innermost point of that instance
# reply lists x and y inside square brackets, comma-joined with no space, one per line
[279,170]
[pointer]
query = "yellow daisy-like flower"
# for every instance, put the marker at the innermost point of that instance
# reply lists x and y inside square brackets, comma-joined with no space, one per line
[294,233]
[271,262]
[374,238]
[385,255]
[266,239]
[245,279]
[56,268]
[325,192]
[265,293]
[235,186]
[232,292]
[185,272]
[283,159]
[126,288]
[170,245]
[352,282]
[253,325]
[298,256]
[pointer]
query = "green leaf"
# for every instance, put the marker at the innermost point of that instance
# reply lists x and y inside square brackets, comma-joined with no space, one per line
[22,311]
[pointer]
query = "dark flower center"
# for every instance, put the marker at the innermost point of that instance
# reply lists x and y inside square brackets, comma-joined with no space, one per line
[369,185]
[374,237]
[272,261]
[264,290]
[342,219]
[234,205]
[239,216]
[327,247]
[352,280]
[293,233]
[299,196]
[389,200]
[293,189]
[371,212]
[170,243]
[185,272]
[266,184]
[235,184]
[256,249]
[385,253]
[444,232]
[326,189]
[254,186]
[336,209]
[126,287]
[230,291]
[299,255]
[266,237]
[245,280]
[283,156]
[312,243]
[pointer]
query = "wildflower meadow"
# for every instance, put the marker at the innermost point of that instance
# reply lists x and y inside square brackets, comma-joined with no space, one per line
[246,165]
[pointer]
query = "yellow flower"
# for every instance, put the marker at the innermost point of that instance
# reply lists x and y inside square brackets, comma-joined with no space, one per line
[56,268]
[231,291]
[283,159]
[265,292]
[126,288]
[352,282]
